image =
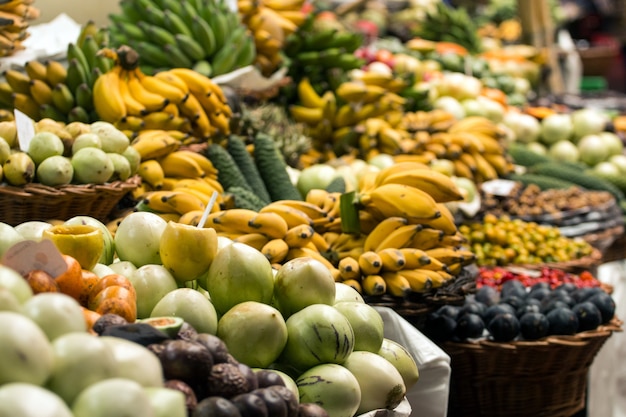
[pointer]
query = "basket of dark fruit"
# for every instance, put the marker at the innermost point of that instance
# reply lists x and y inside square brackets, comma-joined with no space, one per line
[521,347]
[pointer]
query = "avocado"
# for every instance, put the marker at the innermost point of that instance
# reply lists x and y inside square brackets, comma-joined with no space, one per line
[191,401]
[226,380]
[487,295]
[534,325]
[311,410]
[107,320]
[605,304]
[141,333]
[504,327]
[276,406]
[563,321]
[267,378]
[216,407]
[250,405]
[185,360]
[513,287]
[589,316]
[469,326]
[473,306]
[169,325]
[496,310]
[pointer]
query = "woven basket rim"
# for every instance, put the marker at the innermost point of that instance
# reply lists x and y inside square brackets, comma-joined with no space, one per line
[589,261]
[578,339]
[34,189]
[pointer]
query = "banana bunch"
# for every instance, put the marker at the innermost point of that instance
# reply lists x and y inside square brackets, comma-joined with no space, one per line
[271,22]
[332,117]
[323,54]
[204,35]
[15,16]
[63,92]
[178,99]
[178,184]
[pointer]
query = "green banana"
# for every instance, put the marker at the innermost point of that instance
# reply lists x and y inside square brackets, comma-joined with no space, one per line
[246,53]
[76,74]
[74,52]
[63,98]
[129,10]
[103,63]
[49,111]
[78,114]
[224,59]
[95,73]
[177,56]
[90,50]
[155,16]
[84,96]
[156,34]
[319,40]
[203,33]
[175,24]
[187,13]
[218,24]
[152,54]
[173,5]
[190,47]
[130,30]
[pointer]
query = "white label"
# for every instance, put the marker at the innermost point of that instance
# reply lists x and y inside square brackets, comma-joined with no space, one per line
[28,255]
[498,187]
[25,129]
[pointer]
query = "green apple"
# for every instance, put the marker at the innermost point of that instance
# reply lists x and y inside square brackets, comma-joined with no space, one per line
[80,360]
[302,282]
[344,292]
[189,305]
[151,283]
[366,323]
[28,400]
[167,402]
[56,313]
[135,362]
[255,333]
[9,302]
[102,270]
[11,280]
[125,268]
[113,397]
[333,387]
[43,145]
[26,353]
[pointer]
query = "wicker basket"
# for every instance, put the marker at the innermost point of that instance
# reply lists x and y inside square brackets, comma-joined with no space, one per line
[40,202]
[523,378]
[416,307]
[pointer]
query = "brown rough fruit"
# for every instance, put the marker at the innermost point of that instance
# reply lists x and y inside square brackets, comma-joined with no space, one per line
[191,400]
[226,380]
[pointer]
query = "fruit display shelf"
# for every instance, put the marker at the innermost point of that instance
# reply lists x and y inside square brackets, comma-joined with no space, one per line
[36,201]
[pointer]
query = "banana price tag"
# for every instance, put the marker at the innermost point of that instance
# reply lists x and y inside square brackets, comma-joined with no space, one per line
[25,127]
[28,255]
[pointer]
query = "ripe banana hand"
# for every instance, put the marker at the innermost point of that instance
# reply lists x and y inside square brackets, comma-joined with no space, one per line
[382,230]
[255,240]
[392,259]
[152,173]
[400,200]
[349,268]
[440,186]
[370,263]
[399,238]
[299,236]
[293,216]
[275,250]
[373,285]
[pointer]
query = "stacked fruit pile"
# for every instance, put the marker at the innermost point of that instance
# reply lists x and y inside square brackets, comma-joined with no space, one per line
[15,17]
[60,154]
[184,34]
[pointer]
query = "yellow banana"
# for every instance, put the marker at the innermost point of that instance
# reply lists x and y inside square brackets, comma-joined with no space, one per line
[133,106]
[307,252]
[307,94]
[461,169]
[130,123]
[419,281]
[440,186]
[414,258]
[392,259]
[500,163]
[36,70]
[213,183]
[232,221]
[427,238]
[373,285]
[349,268]
[311,210]
[191,218]
[307,115]
[173,217]
[445,222]
[153,102]
[475,124]
[108,100]
[154,144]
[299,236]
[255,240]
[367,222]
[398,168]
[172,202]
[56,72]
[293,216]
[484,169]
[196,184]
[346,116]
[434,265]
[320,243]
[19,81]
[40,91]
[159,86]
[283,5]
[370,263]
[380,79]
[399,238]
[449,255]
[401,200]
[204,162]
[152,173]
[202,196]
[270,224]
[275,250]
[373,93]
[182,165]
[397,285]
[349,282]
[352,91]
[196,82]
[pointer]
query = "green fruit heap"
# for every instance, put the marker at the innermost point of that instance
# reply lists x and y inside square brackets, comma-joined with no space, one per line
[322,52]
[204,35]
[15,16]
[446,24]
[54,90]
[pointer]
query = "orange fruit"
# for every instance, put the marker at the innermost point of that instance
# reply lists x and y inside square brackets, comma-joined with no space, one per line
[70,282]
[89,281]
[111,280]
[41,281]
[115,299]
[90,318]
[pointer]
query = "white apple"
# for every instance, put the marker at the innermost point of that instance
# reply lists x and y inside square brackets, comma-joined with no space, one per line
[113,397]
[125,268]
[167,402]
[28,400]
[56,313]
[138,238]
[14,282]
[8,237]
[32,230]
[26,353]
[151,283]
[80,360]
[191,306]
[102,270]
[135,362]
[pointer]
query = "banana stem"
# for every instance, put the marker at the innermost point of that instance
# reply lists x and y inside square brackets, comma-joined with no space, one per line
[207,210]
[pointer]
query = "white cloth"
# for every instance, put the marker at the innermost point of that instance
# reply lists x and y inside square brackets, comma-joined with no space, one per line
[607,377]
[429,396]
